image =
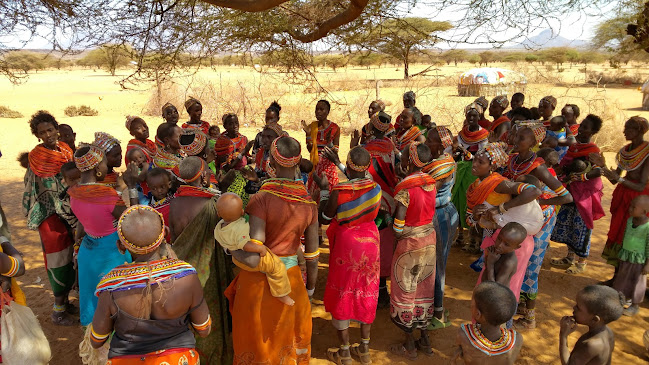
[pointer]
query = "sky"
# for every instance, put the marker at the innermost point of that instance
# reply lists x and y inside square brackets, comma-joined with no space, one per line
[571,26]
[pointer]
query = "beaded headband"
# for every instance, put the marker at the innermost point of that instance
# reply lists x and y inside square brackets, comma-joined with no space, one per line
[537,127]
[105,141]
[445,136]
[495,153]
[414,155]
[355,167]
[90,160]
[197,145]
[378,124]
[137,249]
[473,106]
[129,121]
[285,161]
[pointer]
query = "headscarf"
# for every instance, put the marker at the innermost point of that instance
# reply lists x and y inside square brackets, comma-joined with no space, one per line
[285,161]
[90,159]
[105,141]
[167,105]
[198,143]
[473,106]
[190,103]
[501,100]
[550,100]
[641,122]
[223,146]
[140,250]
[495,152]
[129,121]
[445,136]
[537,127]
[409,95]
[483,102]
[354,166]
[381,121]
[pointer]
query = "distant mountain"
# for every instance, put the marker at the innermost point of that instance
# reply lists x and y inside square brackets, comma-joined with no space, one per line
[547,39]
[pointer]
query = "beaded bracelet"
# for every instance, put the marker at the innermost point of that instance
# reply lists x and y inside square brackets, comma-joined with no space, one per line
[15,266]
[561,191]
[97,337]
[205,325]
[398,225]
[310,256]
[524,186]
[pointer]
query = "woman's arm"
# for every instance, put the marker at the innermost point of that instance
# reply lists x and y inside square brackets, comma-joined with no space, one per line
[11,260]
[102,323]
[564,197]
[525,193]
[257,232]
[200,317]
[328,208]
[311,243]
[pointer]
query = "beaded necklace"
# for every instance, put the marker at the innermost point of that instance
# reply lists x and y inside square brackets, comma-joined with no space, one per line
[629,160]
[516,169]
[504,344]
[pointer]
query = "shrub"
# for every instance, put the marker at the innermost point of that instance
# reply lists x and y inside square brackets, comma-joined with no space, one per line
[84,110]
[8,113]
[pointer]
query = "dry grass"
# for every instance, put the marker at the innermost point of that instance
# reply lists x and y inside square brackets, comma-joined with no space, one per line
[81,110]
[8,113]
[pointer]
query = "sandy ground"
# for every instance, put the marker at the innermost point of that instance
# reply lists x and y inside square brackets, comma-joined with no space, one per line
[54,91]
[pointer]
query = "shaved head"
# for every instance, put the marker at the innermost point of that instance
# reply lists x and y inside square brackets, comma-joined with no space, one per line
[190,166]
[141,227]
[229,207]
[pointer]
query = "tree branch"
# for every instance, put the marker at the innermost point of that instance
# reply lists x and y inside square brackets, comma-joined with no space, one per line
[252,6]
[354,10]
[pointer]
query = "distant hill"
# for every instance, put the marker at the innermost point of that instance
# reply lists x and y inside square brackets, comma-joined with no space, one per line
[547,39]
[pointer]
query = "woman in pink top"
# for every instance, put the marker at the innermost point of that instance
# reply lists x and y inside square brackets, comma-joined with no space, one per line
[97,206]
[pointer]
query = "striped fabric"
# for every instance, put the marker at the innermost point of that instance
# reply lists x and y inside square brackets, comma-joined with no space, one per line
[139,274]
[403,139]
[358,202]
[441,168]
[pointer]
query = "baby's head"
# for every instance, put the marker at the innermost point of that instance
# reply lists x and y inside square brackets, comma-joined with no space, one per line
[550,142]
[577,166]
[492,303]
[549,155]
[639,206]
[306,166]
[137,155]
[510,238]
[71,174]
[229,207]
[557,123]
[159,182]
[427,121]
[597,303]
[214,132]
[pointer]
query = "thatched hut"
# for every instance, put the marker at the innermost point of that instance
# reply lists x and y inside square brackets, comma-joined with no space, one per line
[489,81]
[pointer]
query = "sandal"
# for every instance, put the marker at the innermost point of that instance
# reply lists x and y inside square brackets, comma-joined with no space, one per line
[524,324]
[63,319]
[576,268]
[363,357]
[522,307]
[400,350]
[426,349]
[631,311]
[334,356]
[437,323]
[562,262]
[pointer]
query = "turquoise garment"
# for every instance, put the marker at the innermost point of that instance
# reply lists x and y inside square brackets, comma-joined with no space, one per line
[561,150]
[289,261]
[97,257]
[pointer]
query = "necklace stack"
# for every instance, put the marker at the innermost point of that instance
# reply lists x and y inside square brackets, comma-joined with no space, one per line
[516,168]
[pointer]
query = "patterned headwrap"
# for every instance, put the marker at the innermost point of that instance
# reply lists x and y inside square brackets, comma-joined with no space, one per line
[381,104]
[285,161]
[473,106]
[483,102]
[167,105]
[501,100]
[198,143]
[223,146]
[355,167]
[140,250]
[445,136]
[381,121]
[275,127]
[176,173]
[495,152]
[414,155]
[191,102]
[129,121]
[409,95]
[536,127]
[550,100]
[105,141]
[90,160]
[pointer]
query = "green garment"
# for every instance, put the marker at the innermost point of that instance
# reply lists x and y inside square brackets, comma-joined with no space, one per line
[635,247]
[463,179]
[196,246]
[41,197]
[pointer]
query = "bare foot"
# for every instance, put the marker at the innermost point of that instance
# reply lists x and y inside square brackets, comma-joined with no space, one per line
[286,300]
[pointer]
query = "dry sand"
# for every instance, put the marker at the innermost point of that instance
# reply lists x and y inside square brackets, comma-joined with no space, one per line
[54,90]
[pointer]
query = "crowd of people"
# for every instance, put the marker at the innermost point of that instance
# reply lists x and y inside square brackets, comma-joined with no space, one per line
[194,206]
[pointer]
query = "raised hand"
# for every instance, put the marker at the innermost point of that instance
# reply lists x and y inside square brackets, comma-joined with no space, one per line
[567,325]
[330,154]
[321,180]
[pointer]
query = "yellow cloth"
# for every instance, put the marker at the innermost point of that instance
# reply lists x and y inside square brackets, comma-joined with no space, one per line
[496,199]
[234,236]
[16,292]
[314,144]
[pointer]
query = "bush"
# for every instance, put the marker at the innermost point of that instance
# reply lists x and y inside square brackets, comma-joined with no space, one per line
[84,110]
[8,113]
